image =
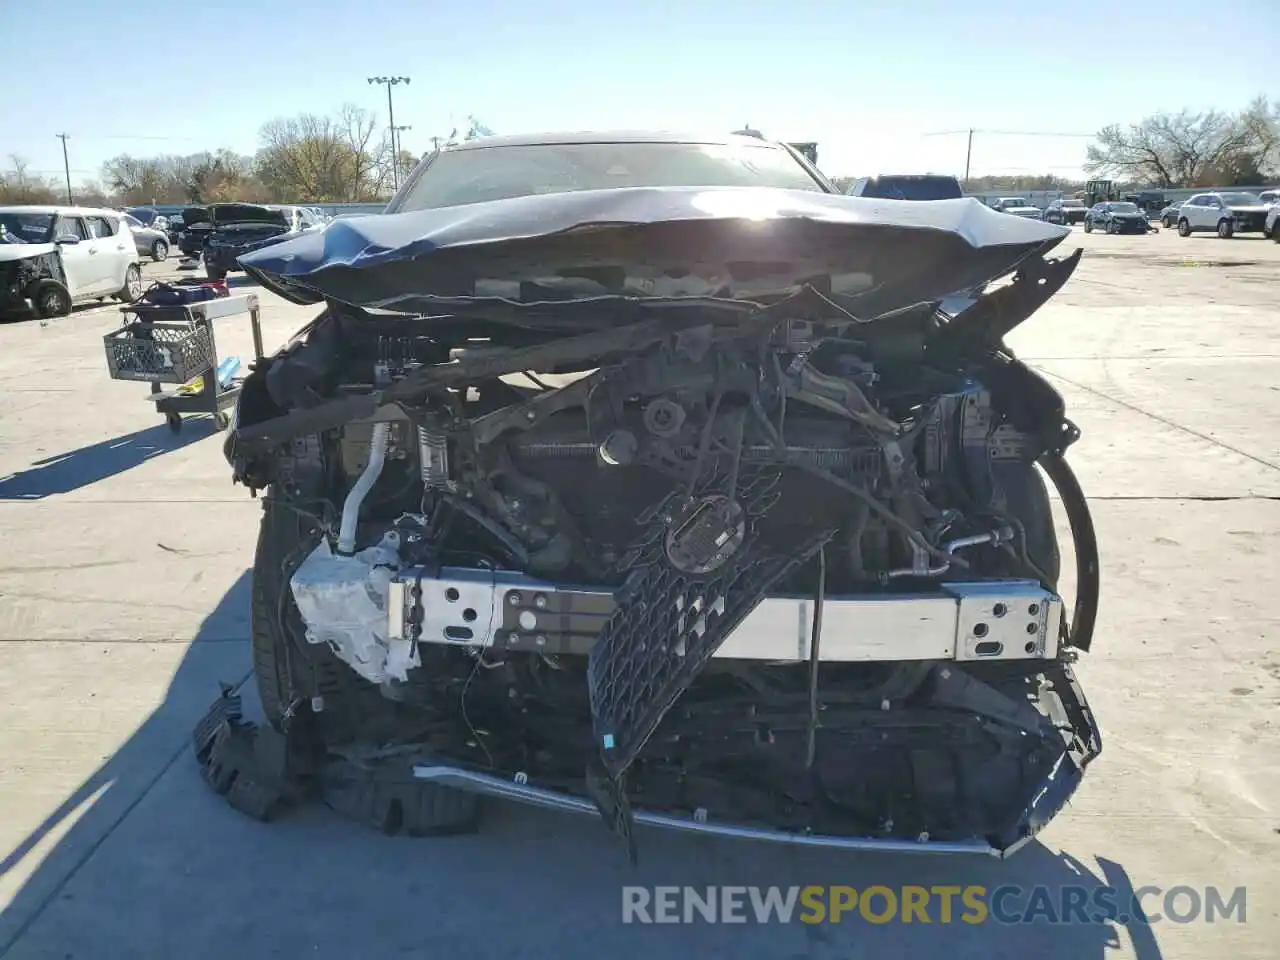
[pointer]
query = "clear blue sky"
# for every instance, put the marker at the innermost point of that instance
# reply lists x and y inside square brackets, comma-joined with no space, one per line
[866,80]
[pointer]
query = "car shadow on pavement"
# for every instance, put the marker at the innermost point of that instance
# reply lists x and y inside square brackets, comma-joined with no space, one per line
[83,821]
[80,468]
[160,866]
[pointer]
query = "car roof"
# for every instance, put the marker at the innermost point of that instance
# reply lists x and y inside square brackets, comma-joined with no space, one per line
[59,210]
[613,136]
[913,176]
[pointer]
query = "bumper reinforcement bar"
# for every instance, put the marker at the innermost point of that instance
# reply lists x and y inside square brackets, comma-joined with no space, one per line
[962,621]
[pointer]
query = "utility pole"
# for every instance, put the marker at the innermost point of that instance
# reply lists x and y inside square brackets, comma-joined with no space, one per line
[968,155]
[390,82]
[66,165]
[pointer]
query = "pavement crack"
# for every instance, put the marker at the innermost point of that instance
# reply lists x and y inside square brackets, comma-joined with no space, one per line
[1159,419]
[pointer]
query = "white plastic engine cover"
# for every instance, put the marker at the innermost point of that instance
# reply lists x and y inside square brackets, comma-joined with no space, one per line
[343,602]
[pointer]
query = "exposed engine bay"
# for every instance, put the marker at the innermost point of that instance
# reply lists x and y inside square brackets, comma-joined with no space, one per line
[783,567]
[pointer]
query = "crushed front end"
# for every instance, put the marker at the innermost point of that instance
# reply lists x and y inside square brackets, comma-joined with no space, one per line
[683,520]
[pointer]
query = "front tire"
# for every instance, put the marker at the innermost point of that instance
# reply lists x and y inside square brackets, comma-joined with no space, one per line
[50,299]
[1111,226]
[1226,229]
[1184,227]
[215,274]
[1088,226]
[159,251]
[1167,223]
[132,288]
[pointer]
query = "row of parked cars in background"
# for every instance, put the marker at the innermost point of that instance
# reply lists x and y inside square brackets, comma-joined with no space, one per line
[158,233]
[1224,212]
[53,257]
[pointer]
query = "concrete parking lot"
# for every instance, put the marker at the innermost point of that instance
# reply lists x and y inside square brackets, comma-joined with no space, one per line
[124,600]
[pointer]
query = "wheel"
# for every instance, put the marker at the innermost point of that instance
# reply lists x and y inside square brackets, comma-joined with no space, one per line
[1167,223]
[174,422]
[213,273]
[132,288]
[222,420]
[1088,225]
[1225,229]
[159,251]
[1111,226]
[1184,227]
[1275,230]
[51,299]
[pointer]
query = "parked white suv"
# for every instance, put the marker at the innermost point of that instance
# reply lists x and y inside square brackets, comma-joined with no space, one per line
[1226,212]
[53,257]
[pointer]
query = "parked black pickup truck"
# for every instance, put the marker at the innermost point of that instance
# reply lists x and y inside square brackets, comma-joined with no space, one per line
[221,232]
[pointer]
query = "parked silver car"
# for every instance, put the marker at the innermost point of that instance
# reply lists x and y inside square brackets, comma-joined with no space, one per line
[152,242]
[1169,215]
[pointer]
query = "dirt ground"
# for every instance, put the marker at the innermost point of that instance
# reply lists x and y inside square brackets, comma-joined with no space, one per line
[124,600]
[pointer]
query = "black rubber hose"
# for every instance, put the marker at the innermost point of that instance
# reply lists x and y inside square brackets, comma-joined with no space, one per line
[1088,579]
[815,657]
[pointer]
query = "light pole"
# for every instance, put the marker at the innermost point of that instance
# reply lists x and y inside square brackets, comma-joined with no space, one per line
[396,147]
[390,82]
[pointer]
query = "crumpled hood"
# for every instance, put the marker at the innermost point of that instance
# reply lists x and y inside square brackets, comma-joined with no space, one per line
[21,251]
[638,243]
[221,214]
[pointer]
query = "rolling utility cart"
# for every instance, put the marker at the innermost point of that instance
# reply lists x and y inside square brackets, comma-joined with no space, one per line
[174,343]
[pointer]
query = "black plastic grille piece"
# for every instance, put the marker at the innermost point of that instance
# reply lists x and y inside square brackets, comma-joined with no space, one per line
[669,624]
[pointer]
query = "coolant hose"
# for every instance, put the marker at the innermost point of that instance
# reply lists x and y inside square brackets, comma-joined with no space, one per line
[1085,540]
[360,489]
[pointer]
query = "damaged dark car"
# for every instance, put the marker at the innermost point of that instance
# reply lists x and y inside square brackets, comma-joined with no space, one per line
[642,476]
[221,232]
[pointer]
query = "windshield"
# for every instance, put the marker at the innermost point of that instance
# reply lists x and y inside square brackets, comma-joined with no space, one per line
[142,215]
[1239,198]
[134,223]
[913,188]
[1123,207]
[26,227]
[500,173]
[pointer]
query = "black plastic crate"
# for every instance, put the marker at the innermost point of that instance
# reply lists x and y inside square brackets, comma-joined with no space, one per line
[159,351]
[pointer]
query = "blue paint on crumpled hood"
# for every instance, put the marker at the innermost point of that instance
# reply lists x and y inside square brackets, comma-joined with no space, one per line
[307,267]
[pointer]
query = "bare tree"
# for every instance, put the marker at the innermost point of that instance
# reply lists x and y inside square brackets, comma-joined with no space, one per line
[324,159]
[19,185]
[1183,149]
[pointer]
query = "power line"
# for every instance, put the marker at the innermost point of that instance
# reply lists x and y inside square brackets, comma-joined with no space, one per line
[1007,133]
